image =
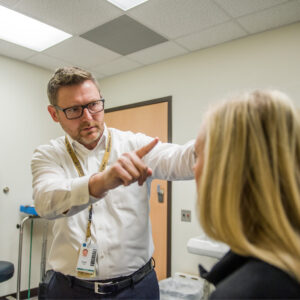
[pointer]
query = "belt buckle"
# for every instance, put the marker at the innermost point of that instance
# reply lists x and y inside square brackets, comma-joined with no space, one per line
[101,284]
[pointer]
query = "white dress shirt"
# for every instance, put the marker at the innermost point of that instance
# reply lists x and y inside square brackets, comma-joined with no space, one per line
[121,225]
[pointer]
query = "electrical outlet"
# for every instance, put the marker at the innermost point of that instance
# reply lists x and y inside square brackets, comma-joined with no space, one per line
[185,215]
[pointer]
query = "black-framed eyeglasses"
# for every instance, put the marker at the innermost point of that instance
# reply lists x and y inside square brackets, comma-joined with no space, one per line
[75,112]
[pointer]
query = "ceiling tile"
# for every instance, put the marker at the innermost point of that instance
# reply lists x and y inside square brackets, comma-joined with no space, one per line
[124,35]
[46,61]
[194,24]
[117,66]
[175,18]
[280,15]
[72,16]
[9,3]
[237,8]
[50,63]
[15,51]
[98,75]
[158,53]
[212,36]
[81,52]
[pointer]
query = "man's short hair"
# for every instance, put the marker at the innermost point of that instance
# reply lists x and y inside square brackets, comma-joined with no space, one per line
[67,76]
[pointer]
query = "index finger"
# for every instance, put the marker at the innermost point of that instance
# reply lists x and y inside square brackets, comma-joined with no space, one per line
[146,149]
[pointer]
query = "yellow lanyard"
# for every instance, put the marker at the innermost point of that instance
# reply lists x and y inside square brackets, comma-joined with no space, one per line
[81,173]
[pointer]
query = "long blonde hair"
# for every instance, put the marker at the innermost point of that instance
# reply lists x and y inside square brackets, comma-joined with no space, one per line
[249,190]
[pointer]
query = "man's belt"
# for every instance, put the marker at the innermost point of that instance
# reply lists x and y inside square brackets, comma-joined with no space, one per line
[114,285]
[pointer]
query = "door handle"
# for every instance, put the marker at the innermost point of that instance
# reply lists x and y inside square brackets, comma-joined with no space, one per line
[160,194]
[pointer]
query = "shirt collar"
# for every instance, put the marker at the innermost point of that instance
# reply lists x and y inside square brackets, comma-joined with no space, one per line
[82,149]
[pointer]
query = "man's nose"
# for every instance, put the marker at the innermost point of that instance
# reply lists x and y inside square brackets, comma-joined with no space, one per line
[86,114]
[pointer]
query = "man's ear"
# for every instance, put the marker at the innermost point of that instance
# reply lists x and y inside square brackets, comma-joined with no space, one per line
[53,113]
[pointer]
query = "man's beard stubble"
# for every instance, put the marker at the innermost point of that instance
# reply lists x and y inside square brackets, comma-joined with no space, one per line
[84,139]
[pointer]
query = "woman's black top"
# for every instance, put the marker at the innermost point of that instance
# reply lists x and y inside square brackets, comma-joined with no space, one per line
[239,277]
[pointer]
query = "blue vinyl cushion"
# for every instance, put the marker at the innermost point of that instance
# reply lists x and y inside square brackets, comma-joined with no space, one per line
[6,270]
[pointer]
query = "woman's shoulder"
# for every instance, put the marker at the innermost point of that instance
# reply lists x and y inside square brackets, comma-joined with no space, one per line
[257,279]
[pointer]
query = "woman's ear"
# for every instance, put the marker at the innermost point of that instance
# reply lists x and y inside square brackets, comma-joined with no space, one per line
[53,113]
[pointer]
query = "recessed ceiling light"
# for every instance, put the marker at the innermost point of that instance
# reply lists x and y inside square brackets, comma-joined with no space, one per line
[27,32]
[126,4]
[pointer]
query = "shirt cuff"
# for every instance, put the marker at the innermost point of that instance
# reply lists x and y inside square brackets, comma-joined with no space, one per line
[80,191]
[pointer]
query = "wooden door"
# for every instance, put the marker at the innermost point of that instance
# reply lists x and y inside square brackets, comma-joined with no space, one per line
[153,119]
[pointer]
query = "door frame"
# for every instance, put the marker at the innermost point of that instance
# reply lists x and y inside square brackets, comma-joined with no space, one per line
[167,99]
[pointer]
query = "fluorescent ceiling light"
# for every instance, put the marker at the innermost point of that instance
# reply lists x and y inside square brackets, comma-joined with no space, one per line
[126,4]
[27,32]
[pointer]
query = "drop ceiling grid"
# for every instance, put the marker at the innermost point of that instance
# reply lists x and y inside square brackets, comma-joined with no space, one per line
[158,53]
[188,24]
[9,3]
[175,18]
[46,61]
[212,36]
[121,64]
[15,51]
[274,17]
[80,51]
[237,8]
[74,17]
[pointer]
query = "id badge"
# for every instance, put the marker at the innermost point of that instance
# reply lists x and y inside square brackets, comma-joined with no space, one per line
[87,260]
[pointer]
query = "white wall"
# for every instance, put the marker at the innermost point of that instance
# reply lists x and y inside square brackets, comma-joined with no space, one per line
[24,124]
[270,59]
[195,81]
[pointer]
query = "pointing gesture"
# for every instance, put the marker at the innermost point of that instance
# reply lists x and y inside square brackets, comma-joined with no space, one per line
[128,169]
[146,149]
[141,153]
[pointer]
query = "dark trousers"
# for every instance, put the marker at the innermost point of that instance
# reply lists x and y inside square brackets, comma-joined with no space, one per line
[60,286]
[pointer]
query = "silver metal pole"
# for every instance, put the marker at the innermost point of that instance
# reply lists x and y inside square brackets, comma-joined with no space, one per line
[44,251]
[20,256]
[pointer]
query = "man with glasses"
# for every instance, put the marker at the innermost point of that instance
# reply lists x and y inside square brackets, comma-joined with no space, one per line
[95,182]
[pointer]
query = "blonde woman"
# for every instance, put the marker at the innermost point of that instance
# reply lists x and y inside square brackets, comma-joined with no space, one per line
[248,182]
